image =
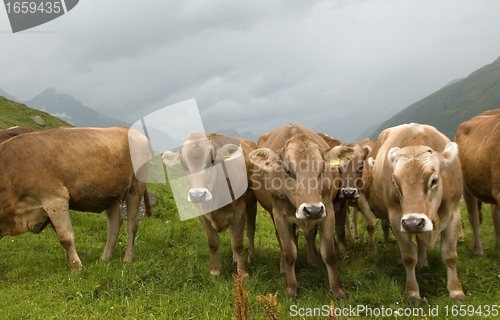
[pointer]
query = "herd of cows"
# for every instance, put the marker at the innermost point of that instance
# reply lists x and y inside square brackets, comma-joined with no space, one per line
[412,179]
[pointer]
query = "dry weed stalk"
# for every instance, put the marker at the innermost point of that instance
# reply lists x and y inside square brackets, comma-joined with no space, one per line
[271,306]
[241,306]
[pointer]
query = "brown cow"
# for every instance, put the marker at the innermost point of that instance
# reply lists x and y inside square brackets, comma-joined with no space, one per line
[293,180]
[416,183]
[479,145]
[46,173]
[12,132]
[201,155]
[352,158]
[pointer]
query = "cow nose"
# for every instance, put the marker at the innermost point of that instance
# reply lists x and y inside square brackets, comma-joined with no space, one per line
[198,195]
[413,224]
[349,193]
[313,211]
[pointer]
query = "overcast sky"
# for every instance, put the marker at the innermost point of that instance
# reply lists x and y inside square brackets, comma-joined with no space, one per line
[252,65]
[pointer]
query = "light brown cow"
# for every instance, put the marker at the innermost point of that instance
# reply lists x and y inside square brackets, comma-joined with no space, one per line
[416,183]
[200,156]
[479,145]
[352,158]
[12,132]
[46,173]
[293,180]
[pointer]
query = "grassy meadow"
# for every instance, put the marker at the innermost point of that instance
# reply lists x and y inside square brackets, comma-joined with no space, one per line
[169,277]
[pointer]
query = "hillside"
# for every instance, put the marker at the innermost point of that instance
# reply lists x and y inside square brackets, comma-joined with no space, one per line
[455,103]
[17,114]
[69,109]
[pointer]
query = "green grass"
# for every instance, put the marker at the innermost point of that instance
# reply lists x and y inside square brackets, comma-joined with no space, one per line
[17,114]
[169,277]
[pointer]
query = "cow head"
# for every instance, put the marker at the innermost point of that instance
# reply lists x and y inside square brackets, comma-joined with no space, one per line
[199,158]
[351,163]
[417,184]
[299,171]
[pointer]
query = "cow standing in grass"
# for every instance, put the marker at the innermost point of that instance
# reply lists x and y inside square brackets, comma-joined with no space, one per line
[351,164]
[46,173]
[479,148]
[205,160]
[416,183]
[293,180]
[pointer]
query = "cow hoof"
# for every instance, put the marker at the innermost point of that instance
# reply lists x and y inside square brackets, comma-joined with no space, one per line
[457,295]
[75,265]
[291,292]
[478,251]
[414,296]
[339,293]
[422,264]
[214,273]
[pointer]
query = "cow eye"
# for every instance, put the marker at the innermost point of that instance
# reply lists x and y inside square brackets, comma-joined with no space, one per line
[434,182]
[289,173]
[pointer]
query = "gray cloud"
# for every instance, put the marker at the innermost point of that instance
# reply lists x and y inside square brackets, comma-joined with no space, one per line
[253,65]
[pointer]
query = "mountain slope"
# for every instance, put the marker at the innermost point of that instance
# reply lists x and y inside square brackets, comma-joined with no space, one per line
[16,114]
[67,108]
[455,103]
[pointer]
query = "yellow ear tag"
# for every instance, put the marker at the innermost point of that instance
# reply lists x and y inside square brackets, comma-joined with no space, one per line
[226,156]
[334,162]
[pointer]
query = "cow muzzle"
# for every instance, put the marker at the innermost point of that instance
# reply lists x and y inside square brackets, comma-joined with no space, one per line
[198,195]
[311,211]
[416,223]
[349,193]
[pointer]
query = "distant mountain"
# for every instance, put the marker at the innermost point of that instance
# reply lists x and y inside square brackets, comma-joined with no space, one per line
[455,103]
[16,114]
[353,127]
[70,110]
[6,95]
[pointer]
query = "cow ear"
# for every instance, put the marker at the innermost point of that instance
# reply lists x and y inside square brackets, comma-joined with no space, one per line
[171,158]
[264,158]
[332,156]
[449,154]
[229,151]
[370,162]
[391,156]
[366,150]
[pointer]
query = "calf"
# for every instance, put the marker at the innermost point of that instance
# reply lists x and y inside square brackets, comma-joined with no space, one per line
[416,183]
[202,157]
[479,145]
[293,180]
[351,164]
[46,173]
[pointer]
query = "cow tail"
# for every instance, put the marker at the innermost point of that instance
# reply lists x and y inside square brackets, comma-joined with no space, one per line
[147,203]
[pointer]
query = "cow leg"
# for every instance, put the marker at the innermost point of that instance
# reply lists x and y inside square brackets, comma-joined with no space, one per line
[286,238]
[133,216]
[369,221]
[355,215]
[114,223]
[449,255]
[474,220]
[237,230]
[327,249]
[250,229]
[422,254]
[495,215]
[310,235]
[385,229]
[408,252]
[213,244]
[58,212]
[340,218]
